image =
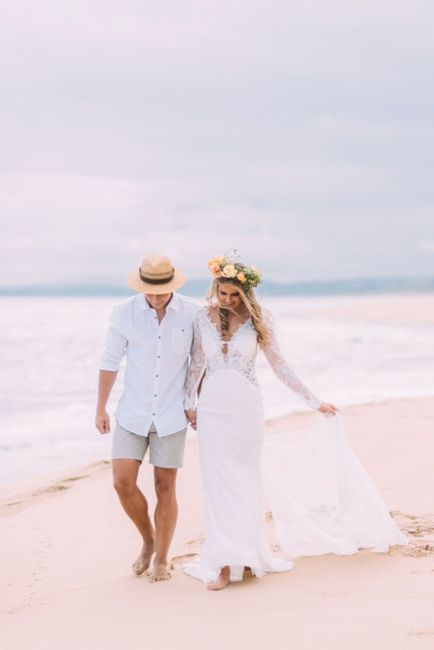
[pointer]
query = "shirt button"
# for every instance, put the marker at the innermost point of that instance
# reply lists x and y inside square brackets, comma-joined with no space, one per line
[153,414]
[155,395]
[157,375]
[158,356]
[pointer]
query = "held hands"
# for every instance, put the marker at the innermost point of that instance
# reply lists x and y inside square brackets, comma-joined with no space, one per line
[191,416]
[327,409]
[102,421]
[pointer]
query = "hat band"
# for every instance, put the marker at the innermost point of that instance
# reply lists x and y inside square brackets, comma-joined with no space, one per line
[149,280]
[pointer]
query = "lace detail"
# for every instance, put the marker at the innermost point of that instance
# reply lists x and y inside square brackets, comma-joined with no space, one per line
[196,368]
[208,357]
[233,361]
[207,354]
[321,497]
[281,369]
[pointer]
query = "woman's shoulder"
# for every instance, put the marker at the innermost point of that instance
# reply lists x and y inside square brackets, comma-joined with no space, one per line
[202,313]
[208,310]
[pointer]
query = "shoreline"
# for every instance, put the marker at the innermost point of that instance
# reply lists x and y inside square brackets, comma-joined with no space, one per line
[373,356]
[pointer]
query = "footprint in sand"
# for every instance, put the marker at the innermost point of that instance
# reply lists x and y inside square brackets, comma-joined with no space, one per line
[414,549]
[424,632]
[414,525]
[75,478]
[12,503]
[192,544]
[196,541]
[420,529]
[178,559]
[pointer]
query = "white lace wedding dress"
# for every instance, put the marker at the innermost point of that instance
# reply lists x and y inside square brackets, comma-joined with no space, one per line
[321,499]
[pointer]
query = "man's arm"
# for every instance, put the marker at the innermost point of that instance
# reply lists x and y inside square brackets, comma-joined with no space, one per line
[106,380]
[114,349]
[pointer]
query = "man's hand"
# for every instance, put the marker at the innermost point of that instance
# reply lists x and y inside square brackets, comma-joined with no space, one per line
[326,408]
[191,417]
[102,421]
[106,380]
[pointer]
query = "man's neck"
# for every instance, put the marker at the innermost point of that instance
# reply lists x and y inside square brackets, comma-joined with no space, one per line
[161,311]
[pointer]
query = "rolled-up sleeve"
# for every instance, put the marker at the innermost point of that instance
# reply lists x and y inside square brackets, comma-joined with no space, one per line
[114,346]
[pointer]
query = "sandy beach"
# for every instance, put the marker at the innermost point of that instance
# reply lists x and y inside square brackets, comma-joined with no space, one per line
[67,548]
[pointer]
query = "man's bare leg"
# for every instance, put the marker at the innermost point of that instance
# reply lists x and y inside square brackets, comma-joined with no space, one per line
[166,514]
[125,473]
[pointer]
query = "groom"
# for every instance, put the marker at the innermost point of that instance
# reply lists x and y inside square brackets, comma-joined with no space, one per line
[154,330]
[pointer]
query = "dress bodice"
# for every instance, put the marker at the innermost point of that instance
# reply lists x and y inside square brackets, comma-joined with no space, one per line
[240,352]
[210,353]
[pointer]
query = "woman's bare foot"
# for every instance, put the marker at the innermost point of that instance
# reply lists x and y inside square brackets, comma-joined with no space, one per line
[144,560]
[160,572]
[222,581]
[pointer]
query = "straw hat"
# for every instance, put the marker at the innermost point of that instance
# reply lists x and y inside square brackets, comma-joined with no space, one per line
[156,275]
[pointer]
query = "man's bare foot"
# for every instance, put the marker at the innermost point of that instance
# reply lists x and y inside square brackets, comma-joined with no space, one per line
[222,581]
[159,572]
[144,560]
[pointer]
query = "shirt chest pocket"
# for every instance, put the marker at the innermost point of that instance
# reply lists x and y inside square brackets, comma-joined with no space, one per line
[181,340]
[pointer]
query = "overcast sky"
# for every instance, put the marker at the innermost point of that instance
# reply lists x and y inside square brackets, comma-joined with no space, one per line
[300,133]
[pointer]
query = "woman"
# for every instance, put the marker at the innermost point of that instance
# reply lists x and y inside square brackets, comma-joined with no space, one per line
[230,426]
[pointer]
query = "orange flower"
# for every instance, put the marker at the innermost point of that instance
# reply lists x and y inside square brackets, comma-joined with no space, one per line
[217,259]
[215,269]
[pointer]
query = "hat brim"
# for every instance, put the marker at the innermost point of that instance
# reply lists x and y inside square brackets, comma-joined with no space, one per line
[135,283]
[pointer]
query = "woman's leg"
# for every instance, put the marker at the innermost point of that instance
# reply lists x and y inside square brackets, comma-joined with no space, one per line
[222,581]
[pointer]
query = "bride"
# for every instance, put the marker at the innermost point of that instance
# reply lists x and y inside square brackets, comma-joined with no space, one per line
[334,509]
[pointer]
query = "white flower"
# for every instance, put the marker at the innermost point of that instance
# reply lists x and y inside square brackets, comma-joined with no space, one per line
[229,271]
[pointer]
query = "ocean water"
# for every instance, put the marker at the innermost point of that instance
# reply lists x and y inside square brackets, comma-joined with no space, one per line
[50,348]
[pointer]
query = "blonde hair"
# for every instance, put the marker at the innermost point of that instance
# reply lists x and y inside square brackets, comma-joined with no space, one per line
[250,302]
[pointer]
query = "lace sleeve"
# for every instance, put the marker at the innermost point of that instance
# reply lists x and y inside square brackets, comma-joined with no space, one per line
[281,369]
[196,368]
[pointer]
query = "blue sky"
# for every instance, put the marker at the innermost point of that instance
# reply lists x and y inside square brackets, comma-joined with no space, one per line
[299,133]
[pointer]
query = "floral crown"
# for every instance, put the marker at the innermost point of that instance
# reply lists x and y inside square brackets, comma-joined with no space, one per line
[229,268]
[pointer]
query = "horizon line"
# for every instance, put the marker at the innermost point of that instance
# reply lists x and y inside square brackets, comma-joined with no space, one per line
[357,285]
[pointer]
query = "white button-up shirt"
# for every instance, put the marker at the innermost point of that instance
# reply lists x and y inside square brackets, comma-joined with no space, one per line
[157,360]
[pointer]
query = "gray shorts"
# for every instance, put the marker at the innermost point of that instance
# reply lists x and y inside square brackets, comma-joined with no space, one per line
[167,451]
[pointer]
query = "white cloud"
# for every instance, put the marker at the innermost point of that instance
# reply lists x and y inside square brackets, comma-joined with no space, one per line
[300,134]
[427,246]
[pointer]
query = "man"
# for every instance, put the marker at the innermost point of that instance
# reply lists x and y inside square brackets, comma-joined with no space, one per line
[154,329]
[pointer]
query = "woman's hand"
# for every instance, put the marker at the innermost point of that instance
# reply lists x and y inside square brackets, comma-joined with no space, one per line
[191,417]
[324,407]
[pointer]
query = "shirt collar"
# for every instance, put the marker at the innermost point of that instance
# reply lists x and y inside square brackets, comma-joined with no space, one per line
[173,304]
[143,304]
